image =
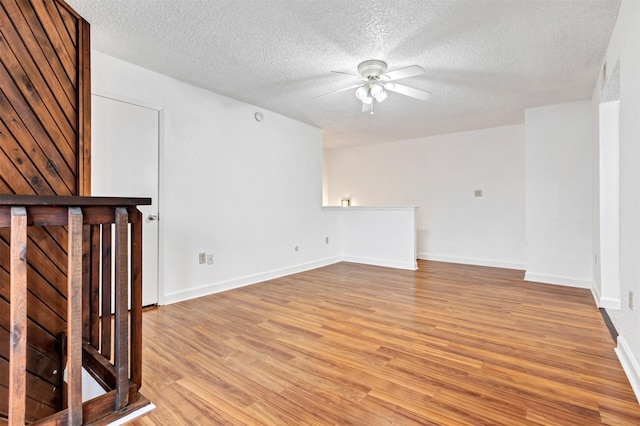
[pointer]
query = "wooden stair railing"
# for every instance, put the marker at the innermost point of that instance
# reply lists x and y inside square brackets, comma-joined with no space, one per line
[108,346]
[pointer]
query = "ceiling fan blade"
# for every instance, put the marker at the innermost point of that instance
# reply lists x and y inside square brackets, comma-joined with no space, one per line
[406,72]
[350,75]
[340,90]
[407,91]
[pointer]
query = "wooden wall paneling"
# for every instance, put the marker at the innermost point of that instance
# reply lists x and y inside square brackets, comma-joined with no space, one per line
[54,14]
[12,175]
[40,75]
[39,287]
[38,389]
[48,25]
[45,148]
[39,392]
[62,87]
[17,162]
[40,237]
[41,338]
[35,410]
[26,128]
[25,100]
[40,262]
[70,22]
[23,15]
[38,311]
[38,363]
[38,339]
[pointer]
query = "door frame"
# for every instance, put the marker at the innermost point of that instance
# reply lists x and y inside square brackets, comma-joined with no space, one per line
[161,167]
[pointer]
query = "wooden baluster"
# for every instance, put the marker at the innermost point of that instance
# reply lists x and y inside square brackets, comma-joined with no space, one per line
[86,282]
[74,316]
[121,321]
[136,298]
[94,313]
[18,317]
[105,345]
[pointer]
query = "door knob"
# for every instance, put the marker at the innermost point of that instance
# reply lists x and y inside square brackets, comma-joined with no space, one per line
[153,217]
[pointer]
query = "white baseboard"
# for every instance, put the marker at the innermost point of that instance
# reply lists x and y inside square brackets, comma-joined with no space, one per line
[608,303]
[472,261]
[213,288]
[629,365]
[134,415]
[411,266]
[604,302]
[558,280]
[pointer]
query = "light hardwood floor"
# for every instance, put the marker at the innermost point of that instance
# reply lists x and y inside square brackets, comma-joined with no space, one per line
[355,344]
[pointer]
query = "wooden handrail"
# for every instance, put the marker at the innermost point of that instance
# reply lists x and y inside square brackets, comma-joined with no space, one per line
[91,339]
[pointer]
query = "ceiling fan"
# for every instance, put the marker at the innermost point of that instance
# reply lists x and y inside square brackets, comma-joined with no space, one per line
[376,81]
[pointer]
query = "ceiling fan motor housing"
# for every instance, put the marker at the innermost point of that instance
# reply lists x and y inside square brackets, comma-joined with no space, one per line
[372,69]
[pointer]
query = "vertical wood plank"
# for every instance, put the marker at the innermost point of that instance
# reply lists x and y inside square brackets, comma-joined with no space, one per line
[84,109]
[136,298]
[86,282]
[18,317]
[74,316]
[94,313]
[121,321]
[105,344]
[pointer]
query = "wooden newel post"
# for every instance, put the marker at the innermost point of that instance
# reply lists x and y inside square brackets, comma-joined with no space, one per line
[18,317]
[74,316]
[122,301]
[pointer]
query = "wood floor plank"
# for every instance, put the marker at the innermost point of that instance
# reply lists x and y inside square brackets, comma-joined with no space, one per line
[362,345]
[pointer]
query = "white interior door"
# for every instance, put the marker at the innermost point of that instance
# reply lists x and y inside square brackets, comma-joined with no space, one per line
[124,163]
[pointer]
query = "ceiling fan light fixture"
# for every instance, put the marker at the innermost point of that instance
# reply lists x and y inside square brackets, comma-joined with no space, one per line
[378,93]
[363,94]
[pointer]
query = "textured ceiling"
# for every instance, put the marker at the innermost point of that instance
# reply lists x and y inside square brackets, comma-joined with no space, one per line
[486,61]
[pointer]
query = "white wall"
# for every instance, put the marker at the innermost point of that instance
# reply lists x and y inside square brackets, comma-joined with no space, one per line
[439,174]
[382,236]
[607,287]
[559,194]
[246,191]
[625,47]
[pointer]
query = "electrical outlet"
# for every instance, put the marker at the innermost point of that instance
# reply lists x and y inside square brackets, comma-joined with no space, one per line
[630,299]
[326,240]
[210,259]
[202,258]
[477,193]
[596,258]
[296,248]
